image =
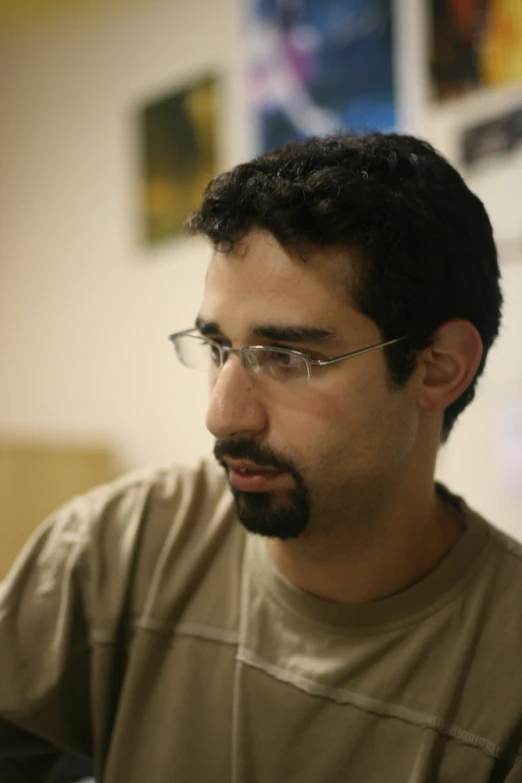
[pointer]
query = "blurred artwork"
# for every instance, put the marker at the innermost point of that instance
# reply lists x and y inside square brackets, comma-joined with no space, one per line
[489,140]
[179,157]
[475,44]
[510,442]
[317,66]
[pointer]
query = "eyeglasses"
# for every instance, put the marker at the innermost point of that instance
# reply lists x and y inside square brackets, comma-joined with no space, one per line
[284,365]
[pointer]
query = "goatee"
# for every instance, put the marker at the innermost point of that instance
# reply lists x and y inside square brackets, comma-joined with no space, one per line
[282,514]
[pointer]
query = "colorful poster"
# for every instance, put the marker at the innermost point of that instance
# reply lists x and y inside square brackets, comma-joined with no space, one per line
[179,157]
[317,66]
[475,44]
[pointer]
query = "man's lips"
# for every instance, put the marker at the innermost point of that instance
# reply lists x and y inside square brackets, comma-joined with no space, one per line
[247,476]
[246,465]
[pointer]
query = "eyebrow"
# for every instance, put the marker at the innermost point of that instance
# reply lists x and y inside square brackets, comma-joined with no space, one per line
[284,333]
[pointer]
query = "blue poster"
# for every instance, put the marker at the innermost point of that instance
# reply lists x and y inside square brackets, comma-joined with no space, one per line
[317,66]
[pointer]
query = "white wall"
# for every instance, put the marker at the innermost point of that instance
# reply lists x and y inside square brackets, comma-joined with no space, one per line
[85,309]
[483,457]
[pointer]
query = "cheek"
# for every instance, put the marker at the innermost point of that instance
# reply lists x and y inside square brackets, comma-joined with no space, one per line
[316,421]
[363,423]
[342,404]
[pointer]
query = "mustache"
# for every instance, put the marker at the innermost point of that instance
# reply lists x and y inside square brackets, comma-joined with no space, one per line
[251,450]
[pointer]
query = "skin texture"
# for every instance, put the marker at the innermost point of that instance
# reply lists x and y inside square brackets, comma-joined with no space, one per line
[364,450]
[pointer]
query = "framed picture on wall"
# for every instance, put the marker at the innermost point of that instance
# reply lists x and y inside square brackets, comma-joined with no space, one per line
[493,139]
[475,44]
[318,66]
[178,148]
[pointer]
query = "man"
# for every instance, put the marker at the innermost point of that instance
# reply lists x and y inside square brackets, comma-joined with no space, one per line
[336,616]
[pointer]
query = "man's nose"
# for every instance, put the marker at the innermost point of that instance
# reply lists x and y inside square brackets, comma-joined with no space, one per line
[235,406]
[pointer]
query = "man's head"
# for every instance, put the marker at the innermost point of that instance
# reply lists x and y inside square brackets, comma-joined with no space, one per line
[368,238]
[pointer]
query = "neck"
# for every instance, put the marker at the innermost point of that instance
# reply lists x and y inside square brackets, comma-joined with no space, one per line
[409,539]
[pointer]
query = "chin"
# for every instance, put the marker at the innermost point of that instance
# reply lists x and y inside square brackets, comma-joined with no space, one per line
[266,515]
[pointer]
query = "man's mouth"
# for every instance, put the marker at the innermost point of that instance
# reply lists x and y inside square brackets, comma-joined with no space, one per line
[247,466]
[247,476]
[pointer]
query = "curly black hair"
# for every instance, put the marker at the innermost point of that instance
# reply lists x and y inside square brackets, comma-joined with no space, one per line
[426,252]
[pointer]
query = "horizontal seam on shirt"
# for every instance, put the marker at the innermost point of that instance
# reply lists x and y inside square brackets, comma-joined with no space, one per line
[197,630]
[207,632]
[369,704]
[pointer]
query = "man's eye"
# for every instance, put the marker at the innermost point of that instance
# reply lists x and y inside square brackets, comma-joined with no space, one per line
[215,354]
[286,359]
[283,366]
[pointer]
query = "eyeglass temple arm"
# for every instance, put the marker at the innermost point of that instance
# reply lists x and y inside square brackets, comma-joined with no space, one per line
[322,362]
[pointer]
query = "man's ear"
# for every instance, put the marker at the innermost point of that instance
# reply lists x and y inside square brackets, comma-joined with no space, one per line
[449,365]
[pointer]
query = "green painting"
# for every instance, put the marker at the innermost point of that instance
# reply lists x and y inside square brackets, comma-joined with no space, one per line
[179,156]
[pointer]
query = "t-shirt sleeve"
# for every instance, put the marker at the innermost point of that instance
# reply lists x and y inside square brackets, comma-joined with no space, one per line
[45,649]
[70,605]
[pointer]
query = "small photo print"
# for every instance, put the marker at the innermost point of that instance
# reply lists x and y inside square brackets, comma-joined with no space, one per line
[493,138]
[178,147]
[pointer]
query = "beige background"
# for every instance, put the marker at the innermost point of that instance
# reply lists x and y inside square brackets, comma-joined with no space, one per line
[56,473]
[85,309]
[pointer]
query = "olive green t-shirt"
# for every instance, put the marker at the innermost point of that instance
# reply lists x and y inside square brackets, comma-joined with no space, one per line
[144,627]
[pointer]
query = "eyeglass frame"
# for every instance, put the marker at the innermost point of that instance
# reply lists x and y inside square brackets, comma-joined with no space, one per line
[226,350]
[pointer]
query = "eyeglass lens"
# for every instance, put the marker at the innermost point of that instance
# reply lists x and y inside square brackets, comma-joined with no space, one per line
[199,354]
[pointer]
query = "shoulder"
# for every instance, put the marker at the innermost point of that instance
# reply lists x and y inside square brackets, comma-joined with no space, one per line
[491,630]
[506,547]
[165,485]
[494,601]
[113,538]
[153,534]
[489,565]
[157,498]
[503,576]
[503,558]
[498,553]
[143,512]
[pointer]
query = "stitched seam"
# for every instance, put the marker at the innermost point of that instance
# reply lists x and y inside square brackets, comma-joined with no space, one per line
[369,704]
[452,595]
[196,630]
[207,632]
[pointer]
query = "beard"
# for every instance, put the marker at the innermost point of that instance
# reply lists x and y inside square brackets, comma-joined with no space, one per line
[266,514]
[280,514]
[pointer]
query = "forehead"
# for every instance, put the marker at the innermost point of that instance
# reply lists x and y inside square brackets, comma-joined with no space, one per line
[259,281]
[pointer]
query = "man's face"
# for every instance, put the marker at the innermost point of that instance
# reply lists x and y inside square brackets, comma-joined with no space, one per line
[312,455]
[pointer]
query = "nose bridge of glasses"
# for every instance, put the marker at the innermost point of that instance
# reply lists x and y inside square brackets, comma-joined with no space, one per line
[250,359]
[247,357]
